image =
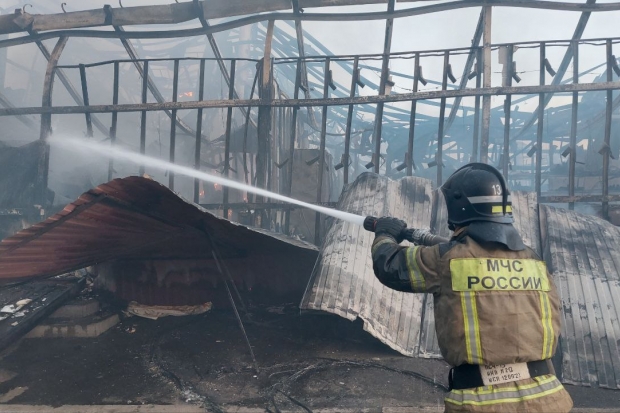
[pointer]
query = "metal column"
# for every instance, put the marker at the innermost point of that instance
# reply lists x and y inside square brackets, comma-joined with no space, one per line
[486,100]
[145,83]
[573,129]
[442,116]
[507,108]
[606,150]
[201,94]
[114,117]
[414,108]
[231,96]
[89,123]
[319,192]
[347,135]
[541,119]
[173,124]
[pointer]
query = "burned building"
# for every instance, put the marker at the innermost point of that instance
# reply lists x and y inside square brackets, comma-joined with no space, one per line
[261,92]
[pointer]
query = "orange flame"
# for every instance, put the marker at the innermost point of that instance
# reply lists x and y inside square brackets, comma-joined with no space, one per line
[217,187]
[186,94]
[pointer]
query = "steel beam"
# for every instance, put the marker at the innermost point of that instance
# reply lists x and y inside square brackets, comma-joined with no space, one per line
[541,118]
[606,150]
[229,114]
[486,100]
[321,163]
[572,161]
[197,150]
[414,108]
[401,97]
[442,115]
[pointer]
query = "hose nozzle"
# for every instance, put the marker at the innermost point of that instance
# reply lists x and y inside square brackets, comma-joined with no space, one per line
[417,236]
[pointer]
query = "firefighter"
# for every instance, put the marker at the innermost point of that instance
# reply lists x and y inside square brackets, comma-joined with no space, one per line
[497,311]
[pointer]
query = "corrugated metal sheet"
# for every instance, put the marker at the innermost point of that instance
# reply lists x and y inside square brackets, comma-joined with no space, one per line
[343,281]
[583,254]
[139,218]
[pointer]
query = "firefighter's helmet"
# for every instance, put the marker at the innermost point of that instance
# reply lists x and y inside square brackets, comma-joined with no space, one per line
[477,192]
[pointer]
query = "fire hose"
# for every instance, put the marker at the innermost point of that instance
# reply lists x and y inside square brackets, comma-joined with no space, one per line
[416,236]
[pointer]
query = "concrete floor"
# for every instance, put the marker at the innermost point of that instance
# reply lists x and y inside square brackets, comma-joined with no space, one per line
[310,362]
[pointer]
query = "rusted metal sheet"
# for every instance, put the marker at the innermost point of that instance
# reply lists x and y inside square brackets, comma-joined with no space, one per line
[343,281]
[138,217]
[583,255]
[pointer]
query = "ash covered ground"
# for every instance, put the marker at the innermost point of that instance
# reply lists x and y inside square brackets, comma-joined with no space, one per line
[305,362]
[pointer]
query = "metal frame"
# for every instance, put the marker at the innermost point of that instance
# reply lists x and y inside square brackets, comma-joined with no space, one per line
[266,101]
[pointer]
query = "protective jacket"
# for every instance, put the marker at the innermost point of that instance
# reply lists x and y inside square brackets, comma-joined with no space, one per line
[493,306]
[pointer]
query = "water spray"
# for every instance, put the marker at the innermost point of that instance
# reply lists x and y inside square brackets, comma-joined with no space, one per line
[119,153]
[368,223]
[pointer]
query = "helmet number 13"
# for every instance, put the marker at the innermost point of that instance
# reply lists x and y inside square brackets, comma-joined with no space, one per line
[497,189]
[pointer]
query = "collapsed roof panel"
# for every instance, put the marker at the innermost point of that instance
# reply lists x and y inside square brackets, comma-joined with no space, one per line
[582,253]
[343,281]
[131,217]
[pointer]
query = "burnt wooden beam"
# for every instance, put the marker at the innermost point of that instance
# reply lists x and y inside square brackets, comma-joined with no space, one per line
[401,97]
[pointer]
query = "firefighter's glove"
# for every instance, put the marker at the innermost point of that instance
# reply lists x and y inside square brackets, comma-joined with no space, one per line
[393,227]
